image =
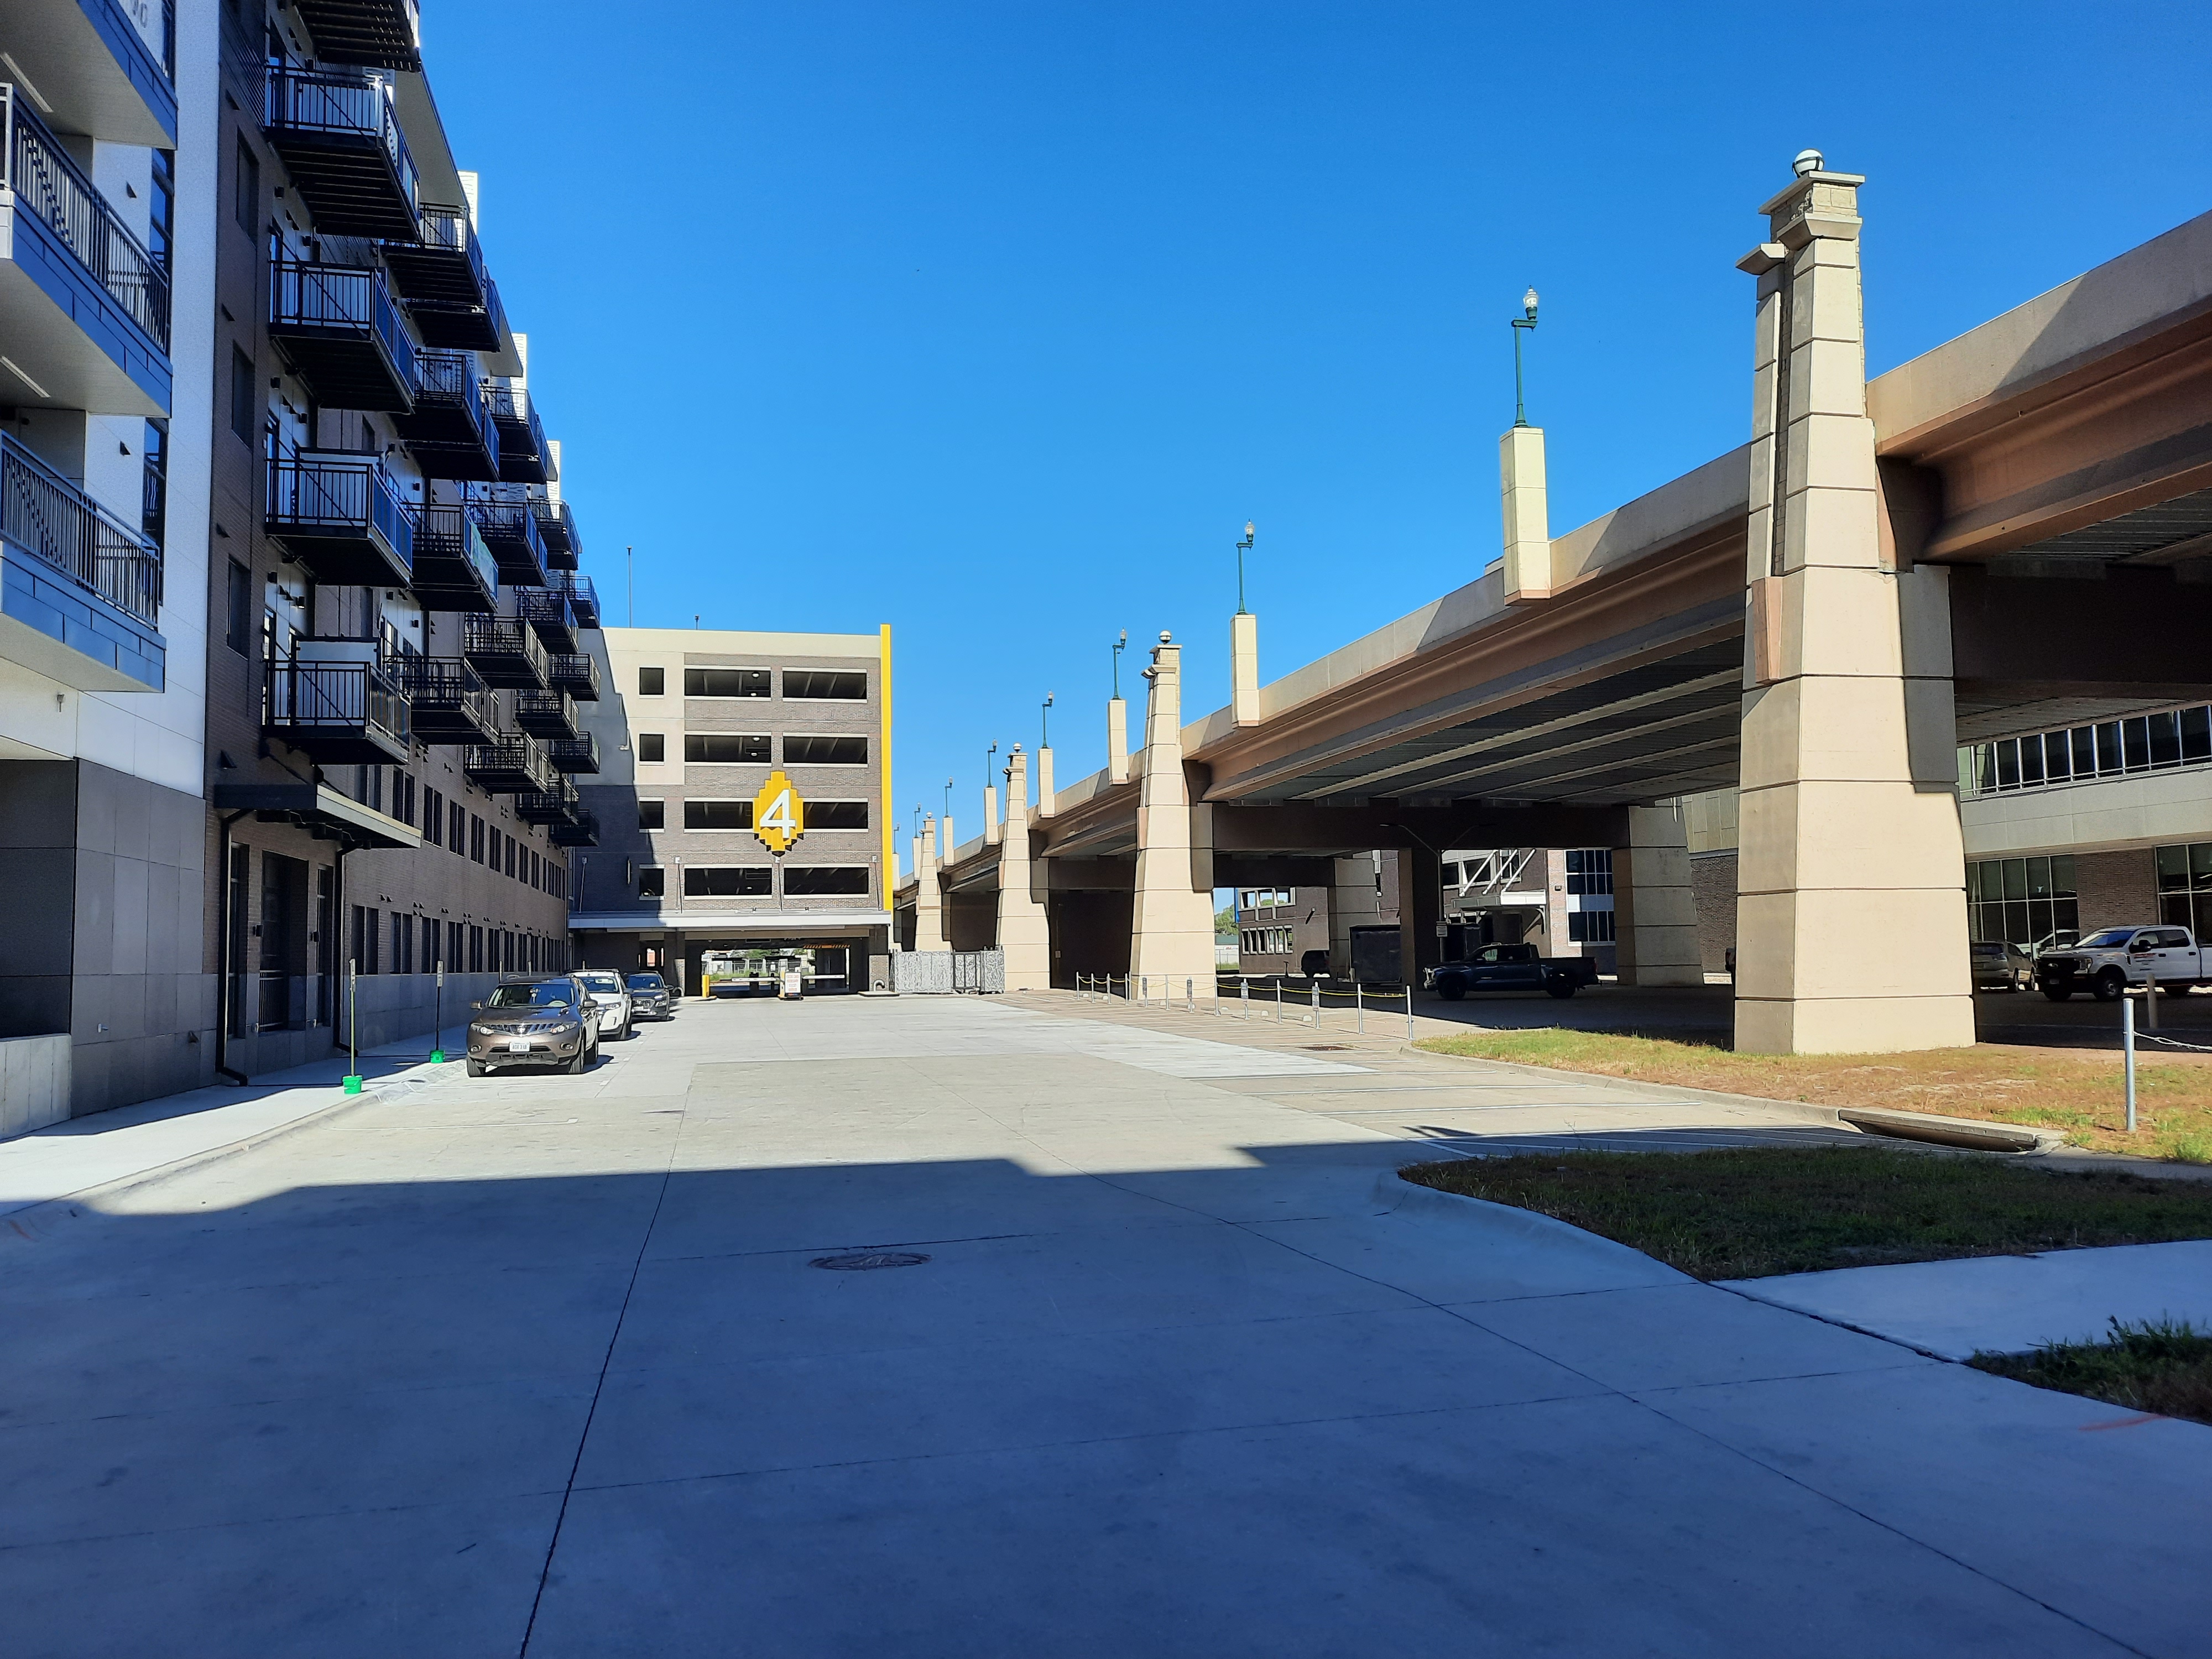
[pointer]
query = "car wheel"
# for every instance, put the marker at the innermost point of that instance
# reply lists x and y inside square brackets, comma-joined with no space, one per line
[627,1032]
[2110,985]
[476,1068]
[2058,994]
[1561,988]
[1452,993]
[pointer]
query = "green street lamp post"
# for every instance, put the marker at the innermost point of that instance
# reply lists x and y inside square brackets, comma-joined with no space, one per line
[1526,321]
[1044,724]
[1119,646]
[1245,546]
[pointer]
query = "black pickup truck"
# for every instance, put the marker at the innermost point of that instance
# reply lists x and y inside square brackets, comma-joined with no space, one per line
[1512,968]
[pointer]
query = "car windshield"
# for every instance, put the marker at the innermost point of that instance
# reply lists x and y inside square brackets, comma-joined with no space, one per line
[1989,950]
[556,993]
[647,983]
[601,982]
[2110,940]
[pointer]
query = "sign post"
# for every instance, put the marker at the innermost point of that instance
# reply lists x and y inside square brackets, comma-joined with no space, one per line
[438,1017]
[353,1027]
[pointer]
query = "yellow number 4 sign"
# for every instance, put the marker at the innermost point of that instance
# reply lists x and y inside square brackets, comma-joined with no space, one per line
[779,814]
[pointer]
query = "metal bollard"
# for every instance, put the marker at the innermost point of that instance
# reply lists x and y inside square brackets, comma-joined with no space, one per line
[2150,1006]
[1359,1009]
[1316,1004]
[2128,1049]
[1245,995]
[1409,1012]
[1189,996]
[1279,1002]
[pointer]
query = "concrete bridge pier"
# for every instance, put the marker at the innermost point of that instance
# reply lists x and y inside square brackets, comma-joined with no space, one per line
[1023,931]
[1851,922]
[1171,922]
[1654,910]
[929,932]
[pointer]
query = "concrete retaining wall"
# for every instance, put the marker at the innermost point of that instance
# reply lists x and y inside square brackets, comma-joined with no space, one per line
[35,1082]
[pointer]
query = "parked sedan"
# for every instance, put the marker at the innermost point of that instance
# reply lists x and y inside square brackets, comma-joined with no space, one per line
[2001,967]
[542,1022]
[650,997]
[606,989]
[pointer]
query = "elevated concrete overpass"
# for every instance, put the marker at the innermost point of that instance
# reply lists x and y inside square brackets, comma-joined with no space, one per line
[2011,533]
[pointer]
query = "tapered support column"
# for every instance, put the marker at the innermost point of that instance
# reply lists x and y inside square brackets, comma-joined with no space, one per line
[1171,921]
[1655,913]
[1420,909]
[1244,668]
[1117,740]
[1355,900]
[1851,922]
[1023,933]
[1044,783]
[928,904]
[1522,495]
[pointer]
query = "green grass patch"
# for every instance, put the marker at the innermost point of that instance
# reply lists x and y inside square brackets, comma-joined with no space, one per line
[1747,1212]
[2080,1093]
[2165,1368]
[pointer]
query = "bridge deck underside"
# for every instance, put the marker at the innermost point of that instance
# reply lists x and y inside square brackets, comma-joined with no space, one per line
[1641,733]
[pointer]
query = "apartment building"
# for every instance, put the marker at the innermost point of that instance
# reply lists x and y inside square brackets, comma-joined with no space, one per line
[105,377]
[743,802]
[399,636]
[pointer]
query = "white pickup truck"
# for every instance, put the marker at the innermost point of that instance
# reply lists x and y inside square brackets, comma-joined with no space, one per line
[2106,964]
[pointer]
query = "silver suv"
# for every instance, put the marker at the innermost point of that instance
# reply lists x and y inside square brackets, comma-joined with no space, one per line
[534,1022]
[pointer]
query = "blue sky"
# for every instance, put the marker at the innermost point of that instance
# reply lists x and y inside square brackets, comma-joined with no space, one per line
[996,322]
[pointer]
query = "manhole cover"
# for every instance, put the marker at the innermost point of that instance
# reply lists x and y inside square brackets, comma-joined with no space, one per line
[862,1260]
[1329,1047]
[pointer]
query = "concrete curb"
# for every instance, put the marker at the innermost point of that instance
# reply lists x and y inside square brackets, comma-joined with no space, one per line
[1399,1196]
[38,1220]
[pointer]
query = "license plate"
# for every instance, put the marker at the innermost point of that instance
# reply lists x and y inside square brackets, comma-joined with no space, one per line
[518,1045]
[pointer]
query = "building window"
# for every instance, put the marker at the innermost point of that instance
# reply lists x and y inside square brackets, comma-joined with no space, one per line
[476,839]
[726,682]
[402,943]
[2185,887]
[726,881]
[652,881]
[652,681]
[238,614]
[2081,754]
[807,750]
[836,815]
[433,815]
[365,920]
[1589,927]
[491,850]
[2025,901]
[246,189]
[1590,870]
[725,749]
[822,684]
[725,815]
[430,945]
[453,831]
[651,747]
[245,399]
[652,815]
[806,881]
[476,949]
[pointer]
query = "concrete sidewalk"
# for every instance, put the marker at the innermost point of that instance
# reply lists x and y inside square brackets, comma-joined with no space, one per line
[2005,1304]
[543,1365]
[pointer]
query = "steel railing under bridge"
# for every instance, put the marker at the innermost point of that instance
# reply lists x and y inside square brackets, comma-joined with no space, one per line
[1168,991]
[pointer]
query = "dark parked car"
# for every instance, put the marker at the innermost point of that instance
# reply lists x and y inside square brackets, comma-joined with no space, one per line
[1512,968]
[534,1022]
[1314,964]
[649,996]
[2001,967]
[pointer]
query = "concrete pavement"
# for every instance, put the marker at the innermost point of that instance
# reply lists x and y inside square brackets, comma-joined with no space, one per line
[540,1365]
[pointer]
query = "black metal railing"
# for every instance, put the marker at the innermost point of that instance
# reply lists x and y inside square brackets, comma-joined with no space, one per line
[583,596]
[576,673]
[512,407]
[53,189]
[341,299]
[508,765]
[449,530]
[556,523]
[579,829]
[503,637]
[551,805]
[448,685]
[46,515]
[578,754]
[336,698]
[448,228]
[545,713]
[337,494]
[337,103]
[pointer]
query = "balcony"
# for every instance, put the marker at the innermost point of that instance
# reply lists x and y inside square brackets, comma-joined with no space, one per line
[342,517]
[99,68]
[338,712]
[549,805]
[449,432]
[545,713]
[384,32]
[523,457]
[80,590]
[546,609]
[505,652]
[583,597]
[84,308]
[453,569]
[448,701]
[579,829]
[573,754]
[510,530]
[339,137]
[337,327]
[557,527]
[577,674]
[443,282]
[511,765]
